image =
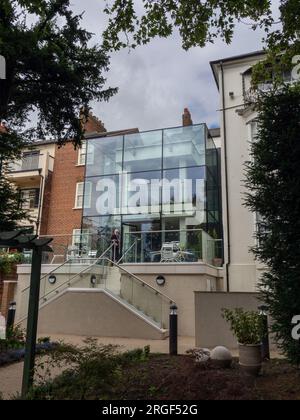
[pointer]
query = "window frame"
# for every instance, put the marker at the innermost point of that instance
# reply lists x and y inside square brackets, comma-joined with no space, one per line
[83,204]
[84,155]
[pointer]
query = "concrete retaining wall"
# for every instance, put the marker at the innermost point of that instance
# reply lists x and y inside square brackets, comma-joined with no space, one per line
[211,329]
[93,313]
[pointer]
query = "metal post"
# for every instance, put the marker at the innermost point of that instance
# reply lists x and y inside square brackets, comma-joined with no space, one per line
[32,321]
[173,339]
[10,317]
[265,342]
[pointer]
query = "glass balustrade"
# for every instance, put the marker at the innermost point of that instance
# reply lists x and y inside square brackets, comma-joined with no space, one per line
[174,246]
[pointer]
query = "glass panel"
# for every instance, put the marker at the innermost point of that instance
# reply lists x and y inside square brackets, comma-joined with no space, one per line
[141,193]
[176,246]
[184,193]
[143,151]
[143,243]
[30,161]
[184,146]
[103,196]
[101,229]
[108,152]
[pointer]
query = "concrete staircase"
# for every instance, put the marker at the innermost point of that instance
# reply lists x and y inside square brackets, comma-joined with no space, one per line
[115,304]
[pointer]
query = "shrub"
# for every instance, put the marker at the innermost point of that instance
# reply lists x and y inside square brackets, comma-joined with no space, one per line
[88,372]
[247,326]
[9,260]
[15,339]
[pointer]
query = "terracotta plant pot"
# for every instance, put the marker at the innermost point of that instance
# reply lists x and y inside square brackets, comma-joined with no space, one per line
[250,358]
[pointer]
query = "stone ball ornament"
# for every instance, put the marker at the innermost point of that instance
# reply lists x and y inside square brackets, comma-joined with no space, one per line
[221,357]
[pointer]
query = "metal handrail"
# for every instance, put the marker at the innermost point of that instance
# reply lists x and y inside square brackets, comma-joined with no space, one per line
[129,249]
[65,263]
[139,280]
[78,274]
[167,231]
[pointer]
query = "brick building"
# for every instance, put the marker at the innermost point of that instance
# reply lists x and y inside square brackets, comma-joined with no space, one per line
[65,202]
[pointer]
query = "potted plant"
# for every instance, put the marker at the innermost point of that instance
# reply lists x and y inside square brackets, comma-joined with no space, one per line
[249,328]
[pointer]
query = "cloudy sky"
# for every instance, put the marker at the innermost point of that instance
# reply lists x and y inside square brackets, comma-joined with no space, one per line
[158,80]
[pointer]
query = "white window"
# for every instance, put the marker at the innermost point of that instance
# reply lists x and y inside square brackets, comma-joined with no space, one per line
[86,154]
[83,194]
[30,198]
[80,238]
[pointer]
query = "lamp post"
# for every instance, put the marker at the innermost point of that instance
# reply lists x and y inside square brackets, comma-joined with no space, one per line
[173,339]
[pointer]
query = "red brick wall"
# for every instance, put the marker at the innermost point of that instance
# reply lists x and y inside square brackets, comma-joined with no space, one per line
[7,296]
[62,217]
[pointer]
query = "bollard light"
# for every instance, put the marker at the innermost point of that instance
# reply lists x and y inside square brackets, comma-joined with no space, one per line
[173,339]
[10,317]
[173,309]
[263,311]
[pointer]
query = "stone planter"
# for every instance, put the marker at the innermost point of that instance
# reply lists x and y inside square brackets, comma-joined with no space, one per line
[250,358]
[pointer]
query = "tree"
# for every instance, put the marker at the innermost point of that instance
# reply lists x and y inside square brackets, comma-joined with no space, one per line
[51,69]
[198,22]
[202,22]
[10,209]
[52,73]
[273,181]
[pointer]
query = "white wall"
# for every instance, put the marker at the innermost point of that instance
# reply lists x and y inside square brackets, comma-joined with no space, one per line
[243,270]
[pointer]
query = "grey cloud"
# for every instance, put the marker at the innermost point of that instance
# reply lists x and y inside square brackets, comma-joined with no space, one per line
[158,80]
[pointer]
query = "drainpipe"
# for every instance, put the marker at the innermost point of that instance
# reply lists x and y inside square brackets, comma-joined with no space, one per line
[226,179]
[38,222]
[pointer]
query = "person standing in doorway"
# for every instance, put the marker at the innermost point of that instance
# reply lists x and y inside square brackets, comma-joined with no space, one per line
[116,242]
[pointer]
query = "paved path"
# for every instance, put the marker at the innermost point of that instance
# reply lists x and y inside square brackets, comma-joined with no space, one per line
[11,376]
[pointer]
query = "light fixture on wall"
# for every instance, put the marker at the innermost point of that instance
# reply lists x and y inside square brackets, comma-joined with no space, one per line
[52,279]
[160,281]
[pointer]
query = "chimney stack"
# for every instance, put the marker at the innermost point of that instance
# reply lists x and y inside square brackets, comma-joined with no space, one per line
[186,118]
[91,123]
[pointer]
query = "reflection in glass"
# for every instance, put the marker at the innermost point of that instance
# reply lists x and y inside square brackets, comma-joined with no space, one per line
[157,187]
[143,151]
[107,156]
[184,146]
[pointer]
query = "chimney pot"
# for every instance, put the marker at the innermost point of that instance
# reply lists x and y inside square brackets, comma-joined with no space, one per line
[187,118]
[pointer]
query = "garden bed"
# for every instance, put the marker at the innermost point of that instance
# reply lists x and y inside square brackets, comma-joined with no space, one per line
[17,355]
[105,374]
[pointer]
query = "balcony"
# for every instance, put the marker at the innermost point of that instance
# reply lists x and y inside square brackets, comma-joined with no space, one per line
[26,170]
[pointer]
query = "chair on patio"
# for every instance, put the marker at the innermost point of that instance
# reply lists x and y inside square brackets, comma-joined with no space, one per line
[168,254]
[92,253]
[73,252]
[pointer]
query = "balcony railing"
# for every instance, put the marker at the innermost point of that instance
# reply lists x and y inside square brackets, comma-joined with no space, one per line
[27,163]
[173,246]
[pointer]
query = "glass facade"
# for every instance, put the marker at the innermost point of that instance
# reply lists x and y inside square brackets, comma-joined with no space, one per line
[162,185]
